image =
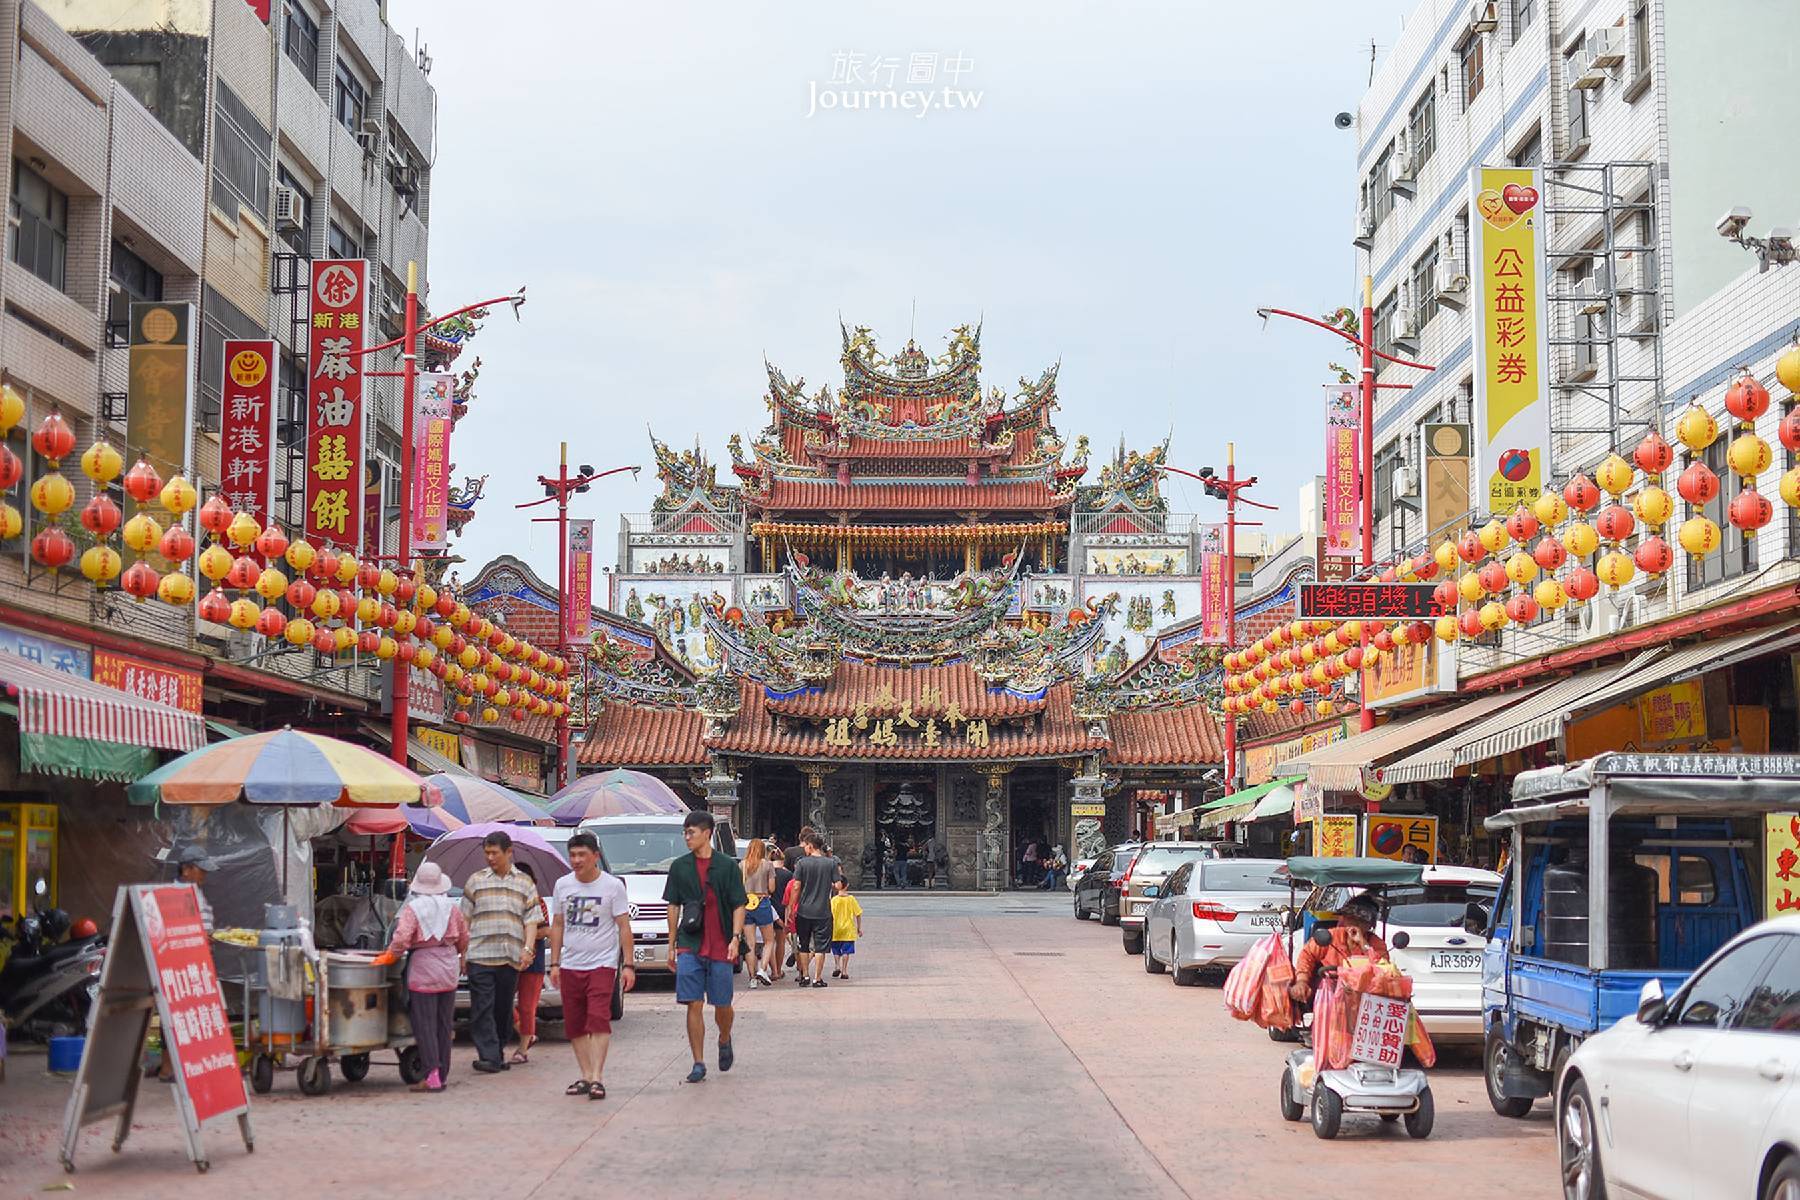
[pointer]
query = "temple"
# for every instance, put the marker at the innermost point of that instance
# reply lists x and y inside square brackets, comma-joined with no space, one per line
[909,616]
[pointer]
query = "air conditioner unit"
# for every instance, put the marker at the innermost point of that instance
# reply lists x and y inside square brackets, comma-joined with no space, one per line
[1404,329]
[1406,481]
[1452,280]
[1606,47]
[1587,296]
[1484,17]
[1365,228]
[1587,73]
[1406,173]
[290,210]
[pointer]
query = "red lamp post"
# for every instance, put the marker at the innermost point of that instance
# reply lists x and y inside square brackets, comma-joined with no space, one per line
[1228,489]
[559,489]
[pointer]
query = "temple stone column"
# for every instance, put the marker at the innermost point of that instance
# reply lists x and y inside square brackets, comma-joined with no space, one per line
[816,805]
[991,867]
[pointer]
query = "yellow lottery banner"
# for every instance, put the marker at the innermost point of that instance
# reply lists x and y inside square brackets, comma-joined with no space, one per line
[1512,386]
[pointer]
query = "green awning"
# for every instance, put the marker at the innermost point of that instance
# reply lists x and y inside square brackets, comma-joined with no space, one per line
[1278,803]
[52,754]
[1252,795]
[225,729]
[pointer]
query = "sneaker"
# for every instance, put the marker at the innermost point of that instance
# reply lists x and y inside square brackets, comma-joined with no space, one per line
[762,977]
[803,981]
[818,983]
[698,1074]
[753,983]
[727,1056]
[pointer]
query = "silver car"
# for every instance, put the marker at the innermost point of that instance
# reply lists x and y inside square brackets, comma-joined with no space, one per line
[1209,912]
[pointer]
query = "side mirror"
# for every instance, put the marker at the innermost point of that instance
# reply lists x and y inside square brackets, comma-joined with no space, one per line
[1152,892]
[1402,940]
[1321,936]
[1651,1005]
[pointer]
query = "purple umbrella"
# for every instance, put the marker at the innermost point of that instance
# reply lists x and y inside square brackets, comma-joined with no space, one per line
[460,854]
[615,793]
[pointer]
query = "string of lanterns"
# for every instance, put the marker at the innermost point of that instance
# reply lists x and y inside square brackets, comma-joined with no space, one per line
[337,603]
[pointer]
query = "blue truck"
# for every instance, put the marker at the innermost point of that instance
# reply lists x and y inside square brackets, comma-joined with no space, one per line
[1661,852]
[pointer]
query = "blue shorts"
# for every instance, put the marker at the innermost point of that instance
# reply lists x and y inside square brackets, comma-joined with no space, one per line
[762,916]
[699,978]
[843,947]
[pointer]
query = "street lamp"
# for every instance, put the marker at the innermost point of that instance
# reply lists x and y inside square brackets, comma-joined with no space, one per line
[1228,489]
[560,489]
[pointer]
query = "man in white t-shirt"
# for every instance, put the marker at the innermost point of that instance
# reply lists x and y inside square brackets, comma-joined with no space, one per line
[590,941]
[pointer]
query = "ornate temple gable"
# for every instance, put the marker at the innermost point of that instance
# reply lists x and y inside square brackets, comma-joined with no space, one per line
[690,482]
[1130,483]
[911,374]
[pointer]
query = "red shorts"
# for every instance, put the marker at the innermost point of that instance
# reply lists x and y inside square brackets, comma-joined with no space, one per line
[587,1001]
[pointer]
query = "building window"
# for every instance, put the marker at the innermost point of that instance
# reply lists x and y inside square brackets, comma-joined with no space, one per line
[1421,129]
[131,278]
[1736,554]
[1640,46]
[300,40]
[241,149]
[1387,462]
[339,244]
[298,240]
[1424,287]
[1583,278]
[1384,325]
[1531,152]
[1578,97]
[349,99]
[1470,55]
[1382,201]
[1523,13]
[38,237]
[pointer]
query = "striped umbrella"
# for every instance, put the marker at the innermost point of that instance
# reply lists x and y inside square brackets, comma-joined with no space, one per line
[471,801]
[616,793]
[430,823]
[284,768]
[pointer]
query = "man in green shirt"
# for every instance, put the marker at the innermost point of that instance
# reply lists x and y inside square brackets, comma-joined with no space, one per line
[701,952]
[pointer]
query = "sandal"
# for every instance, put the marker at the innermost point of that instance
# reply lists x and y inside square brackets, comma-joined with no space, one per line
[597,1091]
[519,1056]
[578,1088]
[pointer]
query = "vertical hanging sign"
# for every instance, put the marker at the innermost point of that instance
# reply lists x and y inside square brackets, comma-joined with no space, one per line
[430,501]
[247,425]
[159,376]
[1343,483]
[1213,597]
[1512,386]
[334,410]
[580,607]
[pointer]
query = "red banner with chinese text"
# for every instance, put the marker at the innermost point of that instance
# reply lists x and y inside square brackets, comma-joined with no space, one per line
[247,426]
[334,409]
[1214,600]
[581,582]
[1343,483]
[430,500]
[195,1027]
[172,686]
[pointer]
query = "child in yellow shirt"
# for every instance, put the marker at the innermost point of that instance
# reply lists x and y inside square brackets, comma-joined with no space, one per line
[846,927]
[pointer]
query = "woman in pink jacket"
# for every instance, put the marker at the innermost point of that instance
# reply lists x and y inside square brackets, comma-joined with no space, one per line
[432,927]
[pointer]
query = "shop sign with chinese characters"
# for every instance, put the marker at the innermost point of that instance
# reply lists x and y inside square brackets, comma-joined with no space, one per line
[1387,835]
[1334,835]
[1676,713]
[1379,601]
[946,724]
[1781,866]
[186,990]
[1343,484]
[431,460]
[172,686]
[50,652]
[1213,598]
[334,410]
[1512,386]
[247,426]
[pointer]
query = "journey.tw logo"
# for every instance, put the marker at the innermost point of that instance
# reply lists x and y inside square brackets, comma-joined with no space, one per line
[920,83]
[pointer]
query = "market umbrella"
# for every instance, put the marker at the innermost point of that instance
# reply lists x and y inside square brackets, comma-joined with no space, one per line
[460,854]
[472,800]
[430,823]
[615,793]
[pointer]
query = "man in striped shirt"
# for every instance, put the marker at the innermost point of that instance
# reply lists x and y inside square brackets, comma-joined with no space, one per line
[501,904]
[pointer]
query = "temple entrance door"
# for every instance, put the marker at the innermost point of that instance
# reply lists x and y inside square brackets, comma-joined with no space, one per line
[906,813]
[779,810]
[1034,814]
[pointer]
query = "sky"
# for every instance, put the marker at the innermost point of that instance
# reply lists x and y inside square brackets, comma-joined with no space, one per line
[684,190]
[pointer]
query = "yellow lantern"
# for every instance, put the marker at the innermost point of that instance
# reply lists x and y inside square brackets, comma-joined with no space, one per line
[1308,653]
[1407,574]
[1371,655]
[1615,568]
[347,568]
[175,589]
[271,585]
[1446,556]
[1696,429]
[101,564]
[1614,475]
[1317,676]
[469,657]
[101,463]
[504,698]
[1521,568]
[1469,587]
[1580,539]
[344,637]
[1353,631]
[1333,644]
[1549,595]
[442,636]
[1698,536]
[12,407]
[299,631]
[459,616]
[1549,508]
[490,714]
[1790,485]
[405,622]
[1653,506]
[367,609]
[325,604]
[1445,628]
[1749,455]
[386,648]
[142,533]
[52,494]
[1787,369]
[1493,615]
[300,555]
[452,674]
[178,495]
[215,562]
[1493,537]
[425,597]
[244,612]
[423,657]
[11,523]
[242,530]
[386,582]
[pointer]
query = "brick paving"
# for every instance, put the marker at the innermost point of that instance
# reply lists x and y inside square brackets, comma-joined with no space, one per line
[990,1045]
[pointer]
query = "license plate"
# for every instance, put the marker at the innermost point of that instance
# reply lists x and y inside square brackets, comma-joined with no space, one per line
[1138,906]
[1262,920]
[645,953]
[1455,960]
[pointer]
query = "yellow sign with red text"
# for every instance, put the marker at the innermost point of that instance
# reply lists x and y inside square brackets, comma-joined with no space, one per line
[1334,835]
[1512,387]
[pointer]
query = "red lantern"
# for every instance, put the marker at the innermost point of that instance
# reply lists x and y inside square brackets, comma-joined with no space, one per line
[140,580]
[1296,706]
[271,543]
[1698,484]
[324,641]
[1470,624]
[367,576]
[460,716]
[1390,576]
[1580,494]
[1353,658]
[215,607]
[1746,399]
[384,616]
[1421,632]
[215,515]
[324,566]
[1549,552]
[1750,509]
[301,594]
[446,605]
[406,649]
[1522,526]
[1444,595]
[271,624]
[177,544]
[1615,523]
[1384,641]
[1654,556]
[1469,547]
[1425,567]
[1582,584]
[346,602]
[1522,609]
[53,439]
[100,516]
[1653,455]
[243,574]
[1493,578]
[1789,429]
[367,640]
[142,483]
[405,590]
[11,469]
[53,548]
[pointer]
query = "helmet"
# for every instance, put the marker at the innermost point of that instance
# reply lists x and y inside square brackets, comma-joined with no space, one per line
[56,925]
[84,929]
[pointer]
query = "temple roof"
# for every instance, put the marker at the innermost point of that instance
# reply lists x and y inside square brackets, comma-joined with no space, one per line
[926,691]
[828,494]
[1185,736]
[642,735]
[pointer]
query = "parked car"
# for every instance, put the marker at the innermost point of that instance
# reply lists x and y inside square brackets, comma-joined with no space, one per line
[1150,866]
[1426,928]
[1209,912]
[1077,869]
[639,849]
[1695,1096]
[1097,888]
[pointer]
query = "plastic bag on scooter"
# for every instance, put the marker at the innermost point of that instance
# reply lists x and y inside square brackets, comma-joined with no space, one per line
[1244,986]
[1419,1039]
[1330,1027]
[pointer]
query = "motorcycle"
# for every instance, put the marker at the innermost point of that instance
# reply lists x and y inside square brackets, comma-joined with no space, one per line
[51,976]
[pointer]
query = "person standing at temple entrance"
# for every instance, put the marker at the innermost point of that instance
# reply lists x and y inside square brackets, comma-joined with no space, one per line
[816,873]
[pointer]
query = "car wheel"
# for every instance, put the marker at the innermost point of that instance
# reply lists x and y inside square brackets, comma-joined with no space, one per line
[1291,1109]
[1784,1181]
[1134,942]
[1184,976]
[1578,1147]
[1492,1060]
[1152,964]
[1284,1035]
[1420,1120]
[1107,918]
[1080,912]
[1327,1111]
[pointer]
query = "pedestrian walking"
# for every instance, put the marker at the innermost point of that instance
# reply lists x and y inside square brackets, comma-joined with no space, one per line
[590,945]
[432,931]
[531,979]
[778,890]
[901,851]
[759,909]
[815,874]
[705,894]
[797,851]
[501,905]
[846,929]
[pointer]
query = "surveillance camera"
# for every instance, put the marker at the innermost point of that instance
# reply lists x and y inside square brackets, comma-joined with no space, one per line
[1343,120]
[1732,224]
[1781,238]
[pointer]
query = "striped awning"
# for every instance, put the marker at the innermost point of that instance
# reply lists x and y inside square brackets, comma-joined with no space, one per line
[69,706]
[1340,765]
